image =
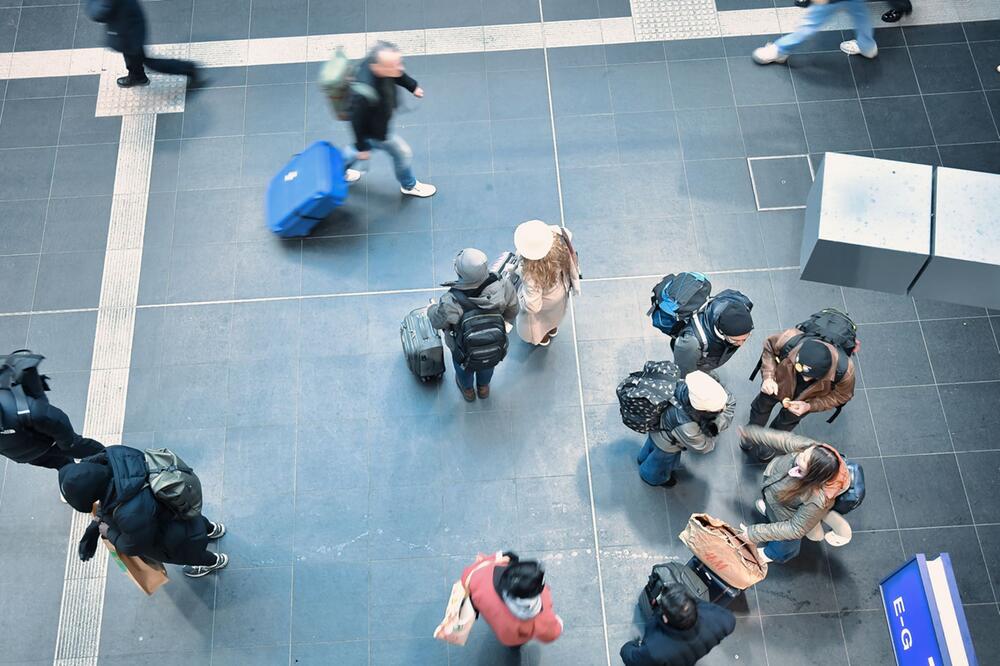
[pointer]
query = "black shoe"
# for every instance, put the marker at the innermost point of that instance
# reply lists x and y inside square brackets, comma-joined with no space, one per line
[893,15]
[217,532]
[195,79]
[803,3]
[221,560]
[129,82]
[671,482]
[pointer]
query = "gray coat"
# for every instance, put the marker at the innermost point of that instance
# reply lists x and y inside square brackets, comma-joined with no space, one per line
[690,435]
[792,520]
[499,296]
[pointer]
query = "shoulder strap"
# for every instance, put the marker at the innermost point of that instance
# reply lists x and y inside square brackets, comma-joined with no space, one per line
[791,344]
[21,401]
[498,558]
[699,329]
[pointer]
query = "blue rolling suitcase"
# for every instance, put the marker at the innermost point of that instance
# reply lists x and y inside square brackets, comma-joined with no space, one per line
[306,191]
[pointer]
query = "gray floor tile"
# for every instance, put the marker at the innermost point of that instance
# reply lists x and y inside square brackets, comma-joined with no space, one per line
[209,163]
[518,94]
[351,653]
[31,122]
[201,273]
[919,505]
[22,226]
[509,11]
[639,87]
[278,18]
[962,544]
[781,183]
[334,265]
[979,474]
[49,86]
[567,10]
[970,421]
[822,628]
[587,141]
[858,569]
[719,186]
[617,54]
[225,19]
[524,144]
[782,231]
[77,224]
[559,510]
[874,306]
[446,103]
[256,389]
[774,129]
[864,634]
[753,84]
[897,121]
[580,90]
[742,246]
[394,15]
[399,260]
[268,269]
[835,126]
[822,76]
[971,107]
[67,338]
[646,137]
[909,420]
[447,14]
[945,68]
[261,153]
[214,112]
[901,363]
[79,125]
[253,607]
[197,220]
[339,16]
[460,148]
[980,361]
[710,133]
[610,254]
[84,170]
[698,84]
[8,24]
[985,53]
[46,28]
[888,75]
[576,56]
[69,280]
[26,173]
[802,585]
[318,541]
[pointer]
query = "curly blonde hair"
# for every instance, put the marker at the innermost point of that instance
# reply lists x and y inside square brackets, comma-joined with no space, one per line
[546,271]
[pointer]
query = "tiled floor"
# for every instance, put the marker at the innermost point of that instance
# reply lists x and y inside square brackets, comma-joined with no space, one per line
[354,494]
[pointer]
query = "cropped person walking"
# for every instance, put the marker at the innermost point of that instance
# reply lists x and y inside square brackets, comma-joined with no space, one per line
[701,409]
[127,34]
[378,75]
[549,272]
[131,518]
[475,314]
[799,487]
[819,13]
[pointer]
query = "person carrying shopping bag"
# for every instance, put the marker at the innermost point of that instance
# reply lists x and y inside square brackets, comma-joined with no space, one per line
[549,270]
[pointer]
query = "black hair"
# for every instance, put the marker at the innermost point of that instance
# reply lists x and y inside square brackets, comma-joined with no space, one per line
[679,607]
[523,579]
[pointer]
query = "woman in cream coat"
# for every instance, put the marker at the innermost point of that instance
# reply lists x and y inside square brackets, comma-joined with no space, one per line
[548,272]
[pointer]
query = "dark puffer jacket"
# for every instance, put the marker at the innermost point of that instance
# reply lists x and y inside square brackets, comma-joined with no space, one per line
[663,645]
[136,523]
[49,426]
[125,20]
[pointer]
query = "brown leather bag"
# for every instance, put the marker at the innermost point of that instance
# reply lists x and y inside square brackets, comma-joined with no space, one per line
[724,550]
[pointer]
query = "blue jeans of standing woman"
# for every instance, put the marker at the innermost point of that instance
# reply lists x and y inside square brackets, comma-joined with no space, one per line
[819,15]
[655,464]
[469,379]
[399,151]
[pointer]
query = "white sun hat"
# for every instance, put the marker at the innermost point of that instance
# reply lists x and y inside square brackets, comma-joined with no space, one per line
[533,239]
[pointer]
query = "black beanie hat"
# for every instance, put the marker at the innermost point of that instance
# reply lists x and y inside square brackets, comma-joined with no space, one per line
[817,356]
[84,483]
[735,320]
[524,579]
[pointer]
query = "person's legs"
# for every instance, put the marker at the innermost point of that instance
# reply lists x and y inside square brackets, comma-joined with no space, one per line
[646,450]
[785,420]
[815,17]
[864,31]
[402,159]
[465,379]
[134,65]
[483,378]
[658,467]
[782,551]
[171,66]
[760,409]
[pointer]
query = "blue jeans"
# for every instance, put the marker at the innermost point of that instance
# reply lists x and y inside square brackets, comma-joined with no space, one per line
[818,15]
[469,379]
[399,151]
[783,551]
[656,465]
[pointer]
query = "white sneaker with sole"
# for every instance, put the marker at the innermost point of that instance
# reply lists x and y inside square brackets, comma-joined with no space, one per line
[221,560]
[217,532]
[761,507]
[352,175]
[850,47]
[420,190]
[767,54]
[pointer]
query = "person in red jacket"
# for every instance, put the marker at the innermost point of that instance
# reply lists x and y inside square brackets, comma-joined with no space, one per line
[514,600]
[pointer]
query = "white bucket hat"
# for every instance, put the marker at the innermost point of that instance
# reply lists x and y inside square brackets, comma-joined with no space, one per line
[533,239]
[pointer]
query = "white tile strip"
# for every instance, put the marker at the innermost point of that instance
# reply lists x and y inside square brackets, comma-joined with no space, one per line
[650,20]
[80,614]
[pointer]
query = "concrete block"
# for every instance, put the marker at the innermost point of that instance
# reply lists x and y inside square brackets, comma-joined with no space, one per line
[867,223]
[965,266]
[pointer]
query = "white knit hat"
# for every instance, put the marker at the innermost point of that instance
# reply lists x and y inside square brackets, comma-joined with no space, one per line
[706,394]
[533,239]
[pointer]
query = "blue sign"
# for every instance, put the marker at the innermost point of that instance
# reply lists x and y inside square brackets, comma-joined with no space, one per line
[925,616]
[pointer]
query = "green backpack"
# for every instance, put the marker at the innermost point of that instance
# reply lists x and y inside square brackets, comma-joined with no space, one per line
[338,79]
[174,483]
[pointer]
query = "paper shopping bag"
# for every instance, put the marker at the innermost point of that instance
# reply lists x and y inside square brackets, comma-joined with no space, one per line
[149,575]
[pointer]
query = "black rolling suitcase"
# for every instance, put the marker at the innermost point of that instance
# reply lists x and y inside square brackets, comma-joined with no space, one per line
[422,346]
[719,592]
[666,574]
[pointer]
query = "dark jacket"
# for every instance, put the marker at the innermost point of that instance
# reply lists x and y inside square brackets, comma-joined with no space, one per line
[125,20]
[822,394]
[49,427]
[663,645]
[683,427]
[370,118]
[693,352]
[136,523]
[499,296]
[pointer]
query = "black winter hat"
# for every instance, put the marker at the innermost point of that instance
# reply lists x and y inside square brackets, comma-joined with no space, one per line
[816,356]
[84,483]
[524,579]
[735,320]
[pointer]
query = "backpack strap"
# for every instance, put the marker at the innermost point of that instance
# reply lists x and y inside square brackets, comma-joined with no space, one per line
[21,402]
[699,329]
[842,364]
[464,297]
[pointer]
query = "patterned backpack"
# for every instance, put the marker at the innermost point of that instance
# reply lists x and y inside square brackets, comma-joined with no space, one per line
[645,394]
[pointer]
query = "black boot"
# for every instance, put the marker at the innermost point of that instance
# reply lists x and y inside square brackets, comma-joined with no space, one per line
[129,82]
[893,15]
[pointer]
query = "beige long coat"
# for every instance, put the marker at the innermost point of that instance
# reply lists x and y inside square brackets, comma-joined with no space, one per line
[543,309]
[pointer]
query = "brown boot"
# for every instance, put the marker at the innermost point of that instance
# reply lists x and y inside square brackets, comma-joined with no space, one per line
[468,394]
[484,392]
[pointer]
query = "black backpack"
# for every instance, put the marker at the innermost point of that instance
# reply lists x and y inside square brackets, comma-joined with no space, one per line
[644,395]
[19,379]
[480,335]
[828,325]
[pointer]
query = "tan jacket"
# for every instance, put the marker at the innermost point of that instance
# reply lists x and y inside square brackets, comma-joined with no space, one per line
[821,394]
[793,519]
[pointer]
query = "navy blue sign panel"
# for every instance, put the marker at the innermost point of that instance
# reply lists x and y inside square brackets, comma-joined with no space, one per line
[925,616]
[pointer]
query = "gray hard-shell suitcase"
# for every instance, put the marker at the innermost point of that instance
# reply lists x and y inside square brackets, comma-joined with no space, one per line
[422,345]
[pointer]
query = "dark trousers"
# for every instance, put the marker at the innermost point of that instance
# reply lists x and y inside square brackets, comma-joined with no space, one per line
[901,5]
[761,408]
[135,62]
[56,458]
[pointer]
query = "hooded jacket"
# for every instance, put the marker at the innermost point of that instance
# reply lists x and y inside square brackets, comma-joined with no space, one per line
[663,645]
[822,393]
[683,427]
[793,519]
[370,118]
[499,296]
[136,523]
[509,630]
[125,20]
[690,354]
[49,427]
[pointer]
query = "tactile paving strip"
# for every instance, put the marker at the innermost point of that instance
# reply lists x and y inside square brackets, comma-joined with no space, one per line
[164,94]
[674,19]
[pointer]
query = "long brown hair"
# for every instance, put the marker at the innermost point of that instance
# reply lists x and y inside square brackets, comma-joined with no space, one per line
[823,466]
[546,271]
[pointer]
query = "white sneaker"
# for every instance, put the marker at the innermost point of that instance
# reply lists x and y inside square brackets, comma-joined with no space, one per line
[763,558]
[761,507]
[420,190]
[352,175]
[850,47]
[767,54]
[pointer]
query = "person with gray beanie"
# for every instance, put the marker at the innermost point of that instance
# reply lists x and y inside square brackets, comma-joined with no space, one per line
[475,314]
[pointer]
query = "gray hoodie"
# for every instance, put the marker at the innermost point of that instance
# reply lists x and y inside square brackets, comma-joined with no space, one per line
[500,296]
